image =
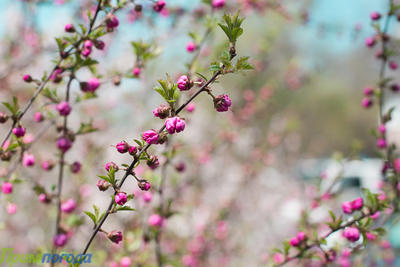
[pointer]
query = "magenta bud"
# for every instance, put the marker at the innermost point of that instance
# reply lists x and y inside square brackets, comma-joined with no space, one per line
[115,236]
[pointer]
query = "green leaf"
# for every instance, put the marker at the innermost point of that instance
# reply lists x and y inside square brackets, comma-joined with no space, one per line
[91,216]
[125,208]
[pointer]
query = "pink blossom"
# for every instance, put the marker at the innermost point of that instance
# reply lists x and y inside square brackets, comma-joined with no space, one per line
[190,47]
[7,188]
[351,233]
[68,206]
[147,196]
[19,131]
[183,83]
[174,124]
[125,262]
[218,3]
[64,144]
[190,107]
[375,15]
[121,198]
[150,137]
[122,147]
[366,102]
[375,216]
[381,143]
[115,236]
[370,41]
[38,117]
[357,203]
[278,258]
[28,160]
[60,240]
[64,108]
[136,71]
[12,208]
[222,103]
[156,220]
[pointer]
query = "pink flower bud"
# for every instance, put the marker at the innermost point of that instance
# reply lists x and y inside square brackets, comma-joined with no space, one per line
[159,5]
[162,111]
[393,65]
[38,117]
[115,236]
[111,21]
[68,206]
[155,220]
[60,240]
[375,216]
[294,242]
[88,44]
[136,71]
[144,185]
[375,15]
[86,52]
[19,131]
[147,196]
[125,262]
[397,165]
[76,167]
[121,198]
[103,185]
[191,47]
[190,107]
[11,208]
[64,144]
[28,160]
[93,84]
[111,164]
[47,165]
[122,147]
[278,258]
[64,108]
[99,44]
[44,198]
[69,28]
[153,162]
[382,128]
[301,236]
[347,207]
[368,91]
[351,233]
[357,204]
[381,143]
[183,83]
[370,41]
[370,236]
[366,102]
[150,137]
[218,3]
[7,188]
[222,103]
[27,78]
[180,167]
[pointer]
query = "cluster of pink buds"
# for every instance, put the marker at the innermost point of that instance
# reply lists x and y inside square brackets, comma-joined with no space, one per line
[349,207]
[298,239]
[87,48]
[174,125]
[111,22]
[222,103]
[351,233]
